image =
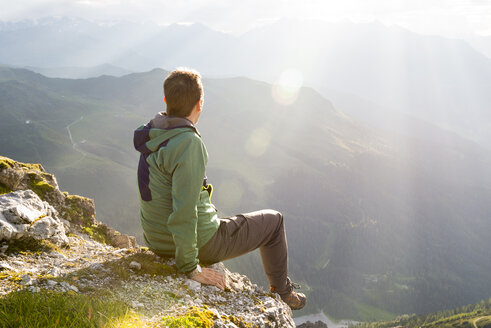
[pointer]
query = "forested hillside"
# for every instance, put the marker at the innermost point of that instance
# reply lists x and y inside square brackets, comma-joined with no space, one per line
[468,316]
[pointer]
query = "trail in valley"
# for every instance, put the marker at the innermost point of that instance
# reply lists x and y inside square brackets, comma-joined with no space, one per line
[476,320]
[74,144]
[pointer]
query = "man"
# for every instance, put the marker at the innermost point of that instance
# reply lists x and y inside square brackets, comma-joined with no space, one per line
[176,213]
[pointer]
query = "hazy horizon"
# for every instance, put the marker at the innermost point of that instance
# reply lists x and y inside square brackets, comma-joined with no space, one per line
[455,18]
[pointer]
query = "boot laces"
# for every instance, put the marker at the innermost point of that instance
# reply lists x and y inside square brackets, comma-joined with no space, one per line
[292,285]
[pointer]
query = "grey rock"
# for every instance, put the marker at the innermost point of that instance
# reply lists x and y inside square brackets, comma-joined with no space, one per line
[26,280]
[55,272]
[34,289]
[5,266]
[122,251]
[193,284]
[317,324]
[225,325]
[97,266]
[123,241]
[33,270]
[51,283]
[20,177]
[120,240]
[135,265]
[57,255]
[24,214]
[49,228]
[22,207]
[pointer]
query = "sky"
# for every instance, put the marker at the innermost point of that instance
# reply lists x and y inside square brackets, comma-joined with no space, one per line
[451,18]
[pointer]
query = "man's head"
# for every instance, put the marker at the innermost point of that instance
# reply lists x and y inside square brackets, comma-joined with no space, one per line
[183,91]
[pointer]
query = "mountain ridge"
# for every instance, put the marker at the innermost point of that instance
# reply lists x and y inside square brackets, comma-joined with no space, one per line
[429,77]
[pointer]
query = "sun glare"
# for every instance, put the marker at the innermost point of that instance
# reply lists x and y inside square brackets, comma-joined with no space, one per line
[285,89]
[258,142]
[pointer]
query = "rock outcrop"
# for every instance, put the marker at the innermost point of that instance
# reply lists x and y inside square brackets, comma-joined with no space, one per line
[43,250]
[24,215]
[78,212]
[317,324]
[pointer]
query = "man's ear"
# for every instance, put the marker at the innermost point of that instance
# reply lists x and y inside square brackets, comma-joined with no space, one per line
[165,101]
[199,105]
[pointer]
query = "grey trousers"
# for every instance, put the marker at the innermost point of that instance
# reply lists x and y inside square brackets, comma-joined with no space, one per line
[243,233]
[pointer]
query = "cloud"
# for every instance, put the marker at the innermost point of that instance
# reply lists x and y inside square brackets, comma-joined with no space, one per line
[431,16]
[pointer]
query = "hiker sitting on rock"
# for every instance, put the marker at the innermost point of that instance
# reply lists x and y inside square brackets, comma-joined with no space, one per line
[176,213]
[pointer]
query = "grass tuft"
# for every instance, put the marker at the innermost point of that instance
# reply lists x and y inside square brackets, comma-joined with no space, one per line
[40,187]
[200,318]
[29,245]
[147,261]
[98,232]
[55,309]
[6,163]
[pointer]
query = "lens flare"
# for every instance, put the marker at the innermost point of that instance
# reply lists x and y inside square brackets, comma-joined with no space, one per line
[258,142]
[230,193]
[285,89]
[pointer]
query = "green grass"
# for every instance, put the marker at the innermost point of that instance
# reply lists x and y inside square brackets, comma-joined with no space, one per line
[462,317]
[78,210]
[31,245]
[98,232]
[199,318]
[54,309]
[38,186]
[98,309]
[484,322]
[6,162]
[41,187]
[95,308]
[368,312]
[119,269]
[149,266]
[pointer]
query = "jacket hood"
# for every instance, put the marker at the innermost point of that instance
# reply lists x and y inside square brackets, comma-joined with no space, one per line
[151,136]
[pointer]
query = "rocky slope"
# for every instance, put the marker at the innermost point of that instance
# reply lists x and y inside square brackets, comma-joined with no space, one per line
[50,242]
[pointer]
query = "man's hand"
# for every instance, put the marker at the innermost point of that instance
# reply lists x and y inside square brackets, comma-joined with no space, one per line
[210,277]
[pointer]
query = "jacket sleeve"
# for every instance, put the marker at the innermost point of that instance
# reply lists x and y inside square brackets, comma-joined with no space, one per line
[187,181]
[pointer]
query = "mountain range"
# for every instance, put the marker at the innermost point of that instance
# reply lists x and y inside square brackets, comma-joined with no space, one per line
[442,81]
[378,223]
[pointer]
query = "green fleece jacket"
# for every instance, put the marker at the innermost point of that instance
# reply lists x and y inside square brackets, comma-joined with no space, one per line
[176,212]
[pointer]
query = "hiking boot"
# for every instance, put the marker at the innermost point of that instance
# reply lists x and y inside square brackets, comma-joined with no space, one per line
[294,300]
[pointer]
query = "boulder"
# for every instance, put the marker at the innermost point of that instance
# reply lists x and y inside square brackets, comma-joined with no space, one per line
[23,176]
[75,211]
[123,241]
[317,324]
[23,214]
